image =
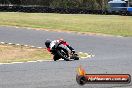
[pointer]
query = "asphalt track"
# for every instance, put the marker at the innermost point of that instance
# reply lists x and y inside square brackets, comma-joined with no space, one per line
[112,55]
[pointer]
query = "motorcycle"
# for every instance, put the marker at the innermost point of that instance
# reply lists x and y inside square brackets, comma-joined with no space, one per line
[62,51]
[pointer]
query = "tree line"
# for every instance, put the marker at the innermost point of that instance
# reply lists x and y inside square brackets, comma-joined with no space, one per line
[87,4]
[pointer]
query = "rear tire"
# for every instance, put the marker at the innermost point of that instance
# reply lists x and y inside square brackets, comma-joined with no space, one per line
[56,57]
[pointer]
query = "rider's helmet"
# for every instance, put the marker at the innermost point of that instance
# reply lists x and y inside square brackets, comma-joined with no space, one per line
[61,40]
[47,43]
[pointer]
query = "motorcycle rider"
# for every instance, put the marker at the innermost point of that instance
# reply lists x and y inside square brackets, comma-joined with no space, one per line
[50,45]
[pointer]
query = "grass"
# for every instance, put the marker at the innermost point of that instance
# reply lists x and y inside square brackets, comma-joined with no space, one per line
[104,24]
[82,54]
[10,53]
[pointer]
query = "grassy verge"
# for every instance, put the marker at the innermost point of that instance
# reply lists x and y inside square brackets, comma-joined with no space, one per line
[105,24]
[10,53]
[82,54]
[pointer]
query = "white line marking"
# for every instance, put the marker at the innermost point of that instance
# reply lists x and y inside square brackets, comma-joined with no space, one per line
[26,62]
[31,61]
[39,47]
[29,28]
[2,42]
[16,27]
[16,62]
[18,44]
[10,43]
[32,46]
[26,45]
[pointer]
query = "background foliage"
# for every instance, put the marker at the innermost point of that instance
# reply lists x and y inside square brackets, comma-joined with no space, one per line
[89,4]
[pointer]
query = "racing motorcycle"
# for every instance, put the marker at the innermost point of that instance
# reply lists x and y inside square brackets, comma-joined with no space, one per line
[62,51]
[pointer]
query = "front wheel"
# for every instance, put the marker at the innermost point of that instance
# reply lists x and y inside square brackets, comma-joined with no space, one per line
[75,58]
[63,53]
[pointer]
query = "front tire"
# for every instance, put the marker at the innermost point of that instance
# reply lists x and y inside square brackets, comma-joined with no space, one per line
[64,54]
[75,58]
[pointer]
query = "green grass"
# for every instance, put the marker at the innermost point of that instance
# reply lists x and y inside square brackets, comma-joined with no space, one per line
[10,53]
[105,24]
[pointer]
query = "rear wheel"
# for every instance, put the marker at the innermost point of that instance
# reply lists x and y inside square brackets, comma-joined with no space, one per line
[56,57]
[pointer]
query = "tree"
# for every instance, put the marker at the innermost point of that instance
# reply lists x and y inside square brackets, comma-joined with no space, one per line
[4,1]
[17,2]
[87,4]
